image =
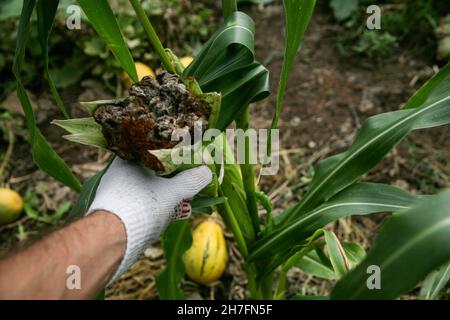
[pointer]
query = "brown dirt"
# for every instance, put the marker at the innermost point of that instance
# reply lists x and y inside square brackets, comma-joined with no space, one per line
[328,98]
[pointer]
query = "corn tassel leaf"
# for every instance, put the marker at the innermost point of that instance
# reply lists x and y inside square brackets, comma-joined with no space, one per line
[410,245]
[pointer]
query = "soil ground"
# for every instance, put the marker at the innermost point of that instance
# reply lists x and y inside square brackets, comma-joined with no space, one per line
[328,99]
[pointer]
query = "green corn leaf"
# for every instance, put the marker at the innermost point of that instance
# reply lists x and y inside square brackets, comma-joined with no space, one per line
[322,266]
[338,258]
[46,11]
[312,243]
[409,246]
[10,9]
[105,24]
[354,252]
[312,264]
[358,199]
[177,240]
[226,64]
[203,202]
[83,130]
[87,193]
[378,135]
[435,282]
[431,89]
[43,154]
[297,15]
[232,187]
[228,7]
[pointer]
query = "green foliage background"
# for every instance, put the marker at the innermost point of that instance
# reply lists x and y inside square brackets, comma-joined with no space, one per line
[80,53]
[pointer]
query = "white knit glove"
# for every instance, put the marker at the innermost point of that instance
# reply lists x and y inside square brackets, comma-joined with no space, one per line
[145,202]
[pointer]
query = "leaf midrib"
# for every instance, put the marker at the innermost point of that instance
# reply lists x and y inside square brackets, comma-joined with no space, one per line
[424,234]
[313,214]
[358,151]
[437,286]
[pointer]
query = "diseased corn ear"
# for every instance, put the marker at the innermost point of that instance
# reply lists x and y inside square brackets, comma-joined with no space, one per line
[137,127]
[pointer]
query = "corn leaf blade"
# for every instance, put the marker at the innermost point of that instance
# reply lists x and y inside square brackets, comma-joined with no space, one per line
[378,135]
[358,199]
[435,282]
[338,257]
[87,193]
[408,247]
[176,241]
[43,154]
[354,252]
[226,64]
[83,130]
[297,14]
[312,265]
[46,11]
[102,18]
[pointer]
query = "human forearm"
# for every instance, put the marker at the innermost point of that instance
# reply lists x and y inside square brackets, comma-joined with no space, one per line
[95,244]
[102,245]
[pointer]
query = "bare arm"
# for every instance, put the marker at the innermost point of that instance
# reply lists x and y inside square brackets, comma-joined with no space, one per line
[96,244]
[102,245]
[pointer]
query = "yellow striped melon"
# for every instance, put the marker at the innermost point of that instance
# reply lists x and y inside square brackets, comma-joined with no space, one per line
[206,260]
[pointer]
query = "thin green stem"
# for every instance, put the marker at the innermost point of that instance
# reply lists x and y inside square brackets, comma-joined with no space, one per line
[153,37]
[251,278]
[267,287]
[234,225]
[228,7]
[55,93]
[281,288]
[248,173]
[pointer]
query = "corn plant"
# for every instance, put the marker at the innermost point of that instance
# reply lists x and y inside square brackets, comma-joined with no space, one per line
[412,244]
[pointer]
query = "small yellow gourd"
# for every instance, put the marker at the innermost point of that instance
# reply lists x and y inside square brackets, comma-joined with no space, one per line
[11,205]
[142,70]
[206,260]
[185,61]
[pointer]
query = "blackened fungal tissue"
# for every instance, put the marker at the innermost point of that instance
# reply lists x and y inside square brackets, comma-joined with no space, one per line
[146,119]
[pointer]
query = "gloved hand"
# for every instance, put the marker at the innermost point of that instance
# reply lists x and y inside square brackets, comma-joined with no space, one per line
[145,202]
